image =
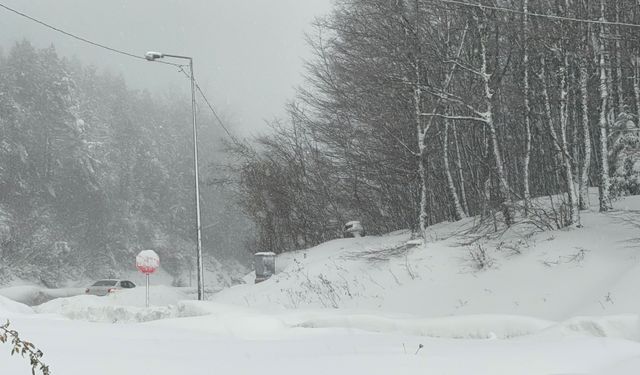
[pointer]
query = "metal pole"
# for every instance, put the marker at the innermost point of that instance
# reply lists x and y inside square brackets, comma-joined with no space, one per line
[197,183]
[152,56]
[147,290]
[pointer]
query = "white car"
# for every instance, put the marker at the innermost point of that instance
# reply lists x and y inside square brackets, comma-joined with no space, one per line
[106,286]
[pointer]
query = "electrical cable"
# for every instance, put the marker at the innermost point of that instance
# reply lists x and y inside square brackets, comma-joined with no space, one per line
[215,113]
[84,40]
[539,15]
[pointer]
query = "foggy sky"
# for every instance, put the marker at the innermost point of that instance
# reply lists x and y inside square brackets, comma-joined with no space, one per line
[247,53]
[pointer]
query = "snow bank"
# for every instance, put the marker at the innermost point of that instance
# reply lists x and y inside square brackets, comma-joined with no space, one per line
[237,321]
[456,327]
[9,308]
[33,295]
[614,326]
[250,323]
[124,306]
[167,303]
[200,308]
[484,326]
[86,308]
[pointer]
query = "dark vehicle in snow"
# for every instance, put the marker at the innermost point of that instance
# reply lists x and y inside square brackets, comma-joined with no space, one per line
[106,286]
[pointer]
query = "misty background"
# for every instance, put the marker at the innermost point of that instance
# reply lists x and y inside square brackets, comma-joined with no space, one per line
[96,150]
[248,54]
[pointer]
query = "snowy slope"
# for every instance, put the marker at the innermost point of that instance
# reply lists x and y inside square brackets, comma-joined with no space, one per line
[9,308]
[592,270]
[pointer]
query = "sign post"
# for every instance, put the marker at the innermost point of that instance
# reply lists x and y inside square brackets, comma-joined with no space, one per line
[147,262]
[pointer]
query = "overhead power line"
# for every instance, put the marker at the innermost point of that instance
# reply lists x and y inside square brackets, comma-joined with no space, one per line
[71,35]
[215,113]
[539,15]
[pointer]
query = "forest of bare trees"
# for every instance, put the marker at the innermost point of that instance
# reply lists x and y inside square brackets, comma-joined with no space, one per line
[416,112]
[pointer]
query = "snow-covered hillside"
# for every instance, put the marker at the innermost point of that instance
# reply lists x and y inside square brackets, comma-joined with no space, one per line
[592,270]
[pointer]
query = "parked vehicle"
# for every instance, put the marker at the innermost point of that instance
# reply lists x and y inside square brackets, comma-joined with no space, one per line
[106,286]
[353,229]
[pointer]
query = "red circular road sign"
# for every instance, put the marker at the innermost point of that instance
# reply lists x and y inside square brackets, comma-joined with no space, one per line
[147,261]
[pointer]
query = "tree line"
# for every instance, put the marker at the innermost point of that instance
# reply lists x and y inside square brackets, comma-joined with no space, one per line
[416,112]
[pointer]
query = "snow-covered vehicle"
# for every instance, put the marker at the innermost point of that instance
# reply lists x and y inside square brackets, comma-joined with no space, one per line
[353,229]
[106,286]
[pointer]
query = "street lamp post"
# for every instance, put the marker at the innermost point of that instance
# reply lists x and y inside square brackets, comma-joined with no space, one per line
[152,56]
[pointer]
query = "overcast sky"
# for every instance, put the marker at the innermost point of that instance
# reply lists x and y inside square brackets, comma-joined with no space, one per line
[247,53]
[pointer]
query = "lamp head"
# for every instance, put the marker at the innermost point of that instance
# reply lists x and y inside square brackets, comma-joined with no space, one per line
[151,56]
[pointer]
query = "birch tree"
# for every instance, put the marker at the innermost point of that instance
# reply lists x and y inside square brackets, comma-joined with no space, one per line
[604,193]
[527,108]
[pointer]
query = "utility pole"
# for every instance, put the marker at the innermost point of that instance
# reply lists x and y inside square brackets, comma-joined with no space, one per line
[152,56]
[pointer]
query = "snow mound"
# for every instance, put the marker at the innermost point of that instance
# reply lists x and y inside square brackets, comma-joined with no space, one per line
[124,306]
[199,308]
[10,308]
[614,326]
[455,327]
[220,318]
[484,326]
[90,309]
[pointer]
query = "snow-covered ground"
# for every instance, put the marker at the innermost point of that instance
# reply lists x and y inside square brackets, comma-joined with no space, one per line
[593,270]
[554,302]
[233,340]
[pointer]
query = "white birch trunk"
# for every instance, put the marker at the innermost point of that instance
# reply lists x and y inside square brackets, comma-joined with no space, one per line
[605,200]
[560,145]
[463,189]
[422,170]
[619,64]
[527,112]
[459,212]
[549,115]
[564,117]
[503,185]
[636,84]
[586,133]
